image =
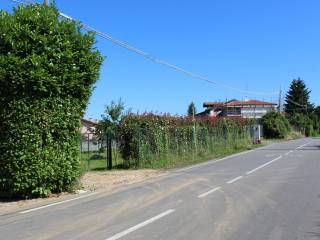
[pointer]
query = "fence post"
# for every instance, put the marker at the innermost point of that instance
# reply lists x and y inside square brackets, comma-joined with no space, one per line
[109,151]
[88,152]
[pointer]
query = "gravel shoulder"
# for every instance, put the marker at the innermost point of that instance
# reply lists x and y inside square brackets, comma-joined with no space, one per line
[91,181]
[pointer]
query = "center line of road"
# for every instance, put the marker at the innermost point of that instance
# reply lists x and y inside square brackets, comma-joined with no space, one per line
[263,165]
[235,179]
[209,192]
[140,225]
[57,203]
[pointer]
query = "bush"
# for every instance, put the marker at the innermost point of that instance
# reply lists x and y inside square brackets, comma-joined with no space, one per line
[275,125]
[47,71]
[298,119]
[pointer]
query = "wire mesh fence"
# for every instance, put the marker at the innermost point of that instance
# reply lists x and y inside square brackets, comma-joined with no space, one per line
[94,152]
[143,147]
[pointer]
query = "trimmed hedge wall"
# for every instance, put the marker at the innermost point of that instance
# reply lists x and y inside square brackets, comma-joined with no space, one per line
[47,71]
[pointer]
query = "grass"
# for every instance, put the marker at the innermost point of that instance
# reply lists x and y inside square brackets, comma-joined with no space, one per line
[206,157]
[184,156]
[97,161]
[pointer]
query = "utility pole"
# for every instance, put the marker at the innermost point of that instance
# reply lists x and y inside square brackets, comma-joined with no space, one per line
[279,101]
[46,2]
[194,127]
[227,106]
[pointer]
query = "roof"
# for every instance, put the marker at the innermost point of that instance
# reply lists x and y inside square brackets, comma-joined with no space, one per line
[213,104]
[238,103]
[89,121]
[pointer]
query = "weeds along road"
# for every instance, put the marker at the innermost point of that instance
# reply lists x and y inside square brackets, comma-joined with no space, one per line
[266,194]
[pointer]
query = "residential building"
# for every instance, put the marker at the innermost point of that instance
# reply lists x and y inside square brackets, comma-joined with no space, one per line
[88,127]
[235,108]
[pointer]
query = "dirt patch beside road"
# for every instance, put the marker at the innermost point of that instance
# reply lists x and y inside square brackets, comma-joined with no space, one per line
[91,181]
[109,180]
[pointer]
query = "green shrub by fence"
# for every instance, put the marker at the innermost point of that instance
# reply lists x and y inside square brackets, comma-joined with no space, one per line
[275,125]
[47,71]
[163,141]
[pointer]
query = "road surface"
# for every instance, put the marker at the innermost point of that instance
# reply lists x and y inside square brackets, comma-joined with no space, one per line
[269,193]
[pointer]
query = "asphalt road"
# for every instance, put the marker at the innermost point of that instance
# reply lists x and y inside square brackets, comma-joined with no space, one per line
[270,193]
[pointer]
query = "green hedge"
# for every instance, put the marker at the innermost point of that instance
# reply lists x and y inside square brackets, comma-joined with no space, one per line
[47,71]
[164,141]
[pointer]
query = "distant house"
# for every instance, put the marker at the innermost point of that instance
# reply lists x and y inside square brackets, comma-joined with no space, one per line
[236,108]
[88,128]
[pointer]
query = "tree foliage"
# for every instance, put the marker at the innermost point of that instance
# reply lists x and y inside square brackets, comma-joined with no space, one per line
[48,67]
[275,125]
[192,111]
[113,114]
[297,98]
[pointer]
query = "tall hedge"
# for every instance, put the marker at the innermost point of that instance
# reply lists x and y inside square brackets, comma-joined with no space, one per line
[48,67]
[164,141]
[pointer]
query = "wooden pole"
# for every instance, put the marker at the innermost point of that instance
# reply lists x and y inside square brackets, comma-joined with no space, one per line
[46,2]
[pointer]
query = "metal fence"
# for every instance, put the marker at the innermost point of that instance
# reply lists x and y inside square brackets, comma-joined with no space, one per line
[99,153]
[150,149]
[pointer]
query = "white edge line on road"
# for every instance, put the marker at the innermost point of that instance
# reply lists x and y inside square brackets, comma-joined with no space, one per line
[140,225]
[263,165]
[226,158]
[57,203]
[209,192]
[235,179]
[214,161]
[303,145]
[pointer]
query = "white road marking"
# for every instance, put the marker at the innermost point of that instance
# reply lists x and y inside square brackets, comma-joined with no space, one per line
[286,154]
[263,165]
[303,145]
[209,192]
[57,203]
[214,161]
[140,225]
[234,180]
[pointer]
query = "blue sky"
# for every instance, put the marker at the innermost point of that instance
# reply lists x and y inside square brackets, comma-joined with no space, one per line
[248,44]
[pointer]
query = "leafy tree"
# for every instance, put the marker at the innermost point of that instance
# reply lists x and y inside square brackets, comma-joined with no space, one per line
[192,109]
[317,111]
[111,118]
[48,67]
[275,125]
[298,119]
[297,98]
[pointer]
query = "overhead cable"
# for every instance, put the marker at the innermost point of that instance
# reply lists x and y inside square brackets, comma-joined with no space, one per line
[157,60]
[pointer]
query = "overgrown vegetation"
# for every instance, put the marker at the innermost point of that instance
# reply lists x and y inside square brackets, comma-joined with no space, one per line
[300,112]
[163,141]
[47,70]
[300,116]
[275,125]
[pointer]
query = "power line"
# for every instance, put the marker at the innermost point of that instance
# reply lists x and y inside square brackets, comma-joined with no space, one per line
[157,60]
[162,62]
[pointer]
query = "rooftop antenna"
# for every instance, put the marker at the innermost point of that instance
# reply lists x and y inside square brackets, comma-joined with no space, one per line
[246,97]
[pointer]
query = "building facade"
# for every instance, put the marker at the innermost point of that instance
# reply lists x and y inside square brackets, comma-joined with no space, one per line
[246,109]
